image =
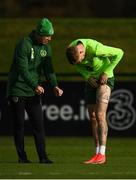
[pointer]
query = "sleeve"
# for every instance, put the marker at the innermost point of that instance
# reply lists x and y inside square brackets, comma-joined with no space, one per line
[21,57]
[49,70]
[114,55]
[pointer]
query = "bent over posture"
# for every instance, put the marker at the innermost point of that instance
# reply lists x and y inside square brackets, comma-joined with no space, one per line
[96,62]
[32,59]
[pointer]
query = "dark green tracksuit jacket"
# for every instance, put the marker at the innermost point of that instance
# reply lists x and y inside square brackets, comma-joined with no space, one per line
[31,60]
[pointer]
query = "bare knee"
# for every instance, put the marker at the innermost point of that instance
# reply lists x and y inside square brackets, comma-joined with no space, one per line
[100,116]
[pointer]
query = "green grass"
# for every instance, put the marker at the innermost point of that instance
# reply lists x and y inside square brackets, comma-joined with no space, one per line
[114,32]
[68,153]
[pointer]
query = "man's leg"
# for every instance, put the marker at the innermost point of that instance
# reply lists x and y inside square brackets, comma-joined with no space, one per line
[103,96]
[17,108]
[90,98]
[94,125]
[34,110]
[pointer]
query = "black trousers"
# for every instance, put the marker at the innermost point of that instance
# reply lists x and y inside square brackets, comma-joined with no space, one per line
[33,107]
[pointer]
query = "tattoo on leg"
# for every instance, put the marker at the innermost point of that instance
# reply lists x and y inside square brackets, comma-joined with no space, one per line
[103,131]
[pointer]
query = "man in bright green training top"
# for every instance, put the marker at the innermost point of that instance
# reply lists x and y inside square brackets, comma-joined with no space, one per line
[96,62]
[32,59]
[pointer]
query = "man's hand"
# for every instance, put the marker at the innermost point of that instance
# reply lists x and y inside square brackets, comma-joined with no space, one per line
[39,90]
[93,82]
[57,91]
[103,79]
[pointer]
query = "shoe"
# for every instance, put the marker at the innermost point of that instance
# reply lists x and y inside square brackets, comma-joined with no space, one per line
[46,161]
[92,160]
[100,159]
[24,161]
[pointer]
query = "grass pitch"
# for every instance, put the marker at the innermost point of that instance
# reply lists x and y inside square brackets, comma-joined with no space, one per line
[68,153]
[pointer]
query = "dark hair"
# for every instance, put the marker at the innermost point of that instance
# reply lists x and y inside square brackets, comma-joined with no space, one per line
[71,54]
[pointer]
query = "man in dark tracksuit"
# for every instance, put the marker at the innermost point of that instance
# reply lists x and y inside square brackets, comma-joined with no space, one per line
[32,58]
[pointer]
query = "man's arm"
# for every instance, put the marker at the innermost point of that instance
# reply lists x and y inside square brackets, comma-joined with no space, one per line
[114,55]
[49,72]
[51,76]
[21,56]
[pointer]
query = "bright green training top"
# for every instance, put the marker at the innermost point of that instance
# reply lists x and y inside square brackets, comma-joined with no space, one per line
[98,58]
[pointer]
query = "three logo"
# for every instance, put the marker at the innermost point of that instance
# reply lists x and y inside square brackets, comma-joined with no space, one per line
[122,114]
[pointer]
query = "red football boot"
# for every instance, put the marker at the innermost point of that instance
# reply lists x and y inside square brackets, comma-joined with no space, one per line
[100,159]
[92,160]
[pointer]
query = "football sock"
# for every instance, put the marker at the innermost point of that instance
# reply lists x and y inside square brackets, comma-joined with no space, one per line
[97,149]
[102,150]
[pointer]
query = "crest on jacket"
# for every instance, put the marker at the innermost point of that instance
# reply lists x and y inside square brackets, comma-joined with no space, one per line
[43,52]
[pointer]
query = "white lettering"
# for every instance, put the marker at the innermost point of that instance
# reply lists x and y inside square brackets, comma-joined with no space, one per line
[66,112]
[52,112]
[82,110]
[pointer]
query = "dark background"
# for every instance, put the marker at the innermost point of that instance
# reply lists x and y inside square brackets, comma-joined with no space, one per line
[69,126]
[68,8]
